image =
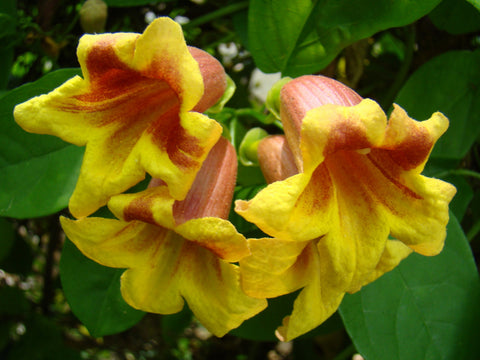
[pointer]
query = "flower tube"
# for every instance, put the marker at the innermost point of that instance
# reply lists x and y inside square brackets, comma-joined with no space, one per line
[136,110]
[176,250]
[356,207]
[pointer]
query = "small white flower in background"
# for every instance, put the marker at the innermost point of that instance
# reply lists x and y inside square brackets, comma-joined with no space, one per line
[47,66]
[238,67]
[149,17]
[261,83]
[228,52]
[182,20]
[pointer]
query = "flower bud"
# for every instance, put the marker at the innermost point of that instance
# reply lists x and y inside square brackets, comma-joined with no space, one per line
[276,159]
[305,93]
[214,78]
[93,16]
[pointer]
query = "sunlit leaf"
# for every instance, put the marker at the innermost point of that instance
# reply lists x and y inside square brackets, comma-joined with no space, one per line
[303,36]
[427,308]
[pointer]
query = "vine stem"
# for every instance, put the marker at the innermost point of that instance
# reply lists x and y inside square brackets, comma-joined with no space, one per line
[461,172]
[346,353]
[227,10]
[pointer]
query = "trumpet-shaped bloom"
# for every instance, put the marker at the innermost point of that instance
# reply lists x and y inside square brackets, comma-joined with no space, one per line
[357,207]
[132,110]
[176,250]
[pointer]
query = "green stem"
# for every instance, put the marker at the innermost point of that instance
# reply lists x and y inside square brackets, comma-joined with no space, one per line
[227,10]
[346,353]
[461,172]
[474,230]
[403,71]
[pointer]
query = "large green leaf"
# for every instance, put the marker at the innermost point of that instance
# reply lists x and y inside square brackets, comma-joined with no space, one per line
[303,36]
[449,83]
[456,17]
[426,308]
[93,292]
[39,172]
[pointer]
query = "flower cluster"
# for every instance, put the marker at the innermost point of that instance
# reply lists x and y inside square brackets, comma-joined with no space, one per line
[346,201]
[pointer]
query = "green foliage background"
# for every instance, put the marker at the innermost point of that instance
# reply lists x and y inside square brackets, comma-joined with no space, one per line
[423,55]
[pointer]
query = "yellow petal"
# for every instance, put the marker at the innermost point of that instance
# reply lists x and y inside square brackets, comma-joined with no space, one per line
[183,270]
[297,208]
[395,251]
[164,269]
[315,303]
[111,242]
[212,289]
[161,53]
[275,268]
[217,235]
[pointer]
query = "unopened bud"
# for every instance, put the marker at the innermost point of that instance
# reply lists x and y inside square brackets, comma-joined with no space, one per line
[93,16]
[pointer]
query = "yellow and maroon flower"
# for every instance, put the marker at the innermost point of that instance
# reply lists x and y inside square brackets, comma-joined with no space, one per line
[176,250]
[133,111]
[347,201]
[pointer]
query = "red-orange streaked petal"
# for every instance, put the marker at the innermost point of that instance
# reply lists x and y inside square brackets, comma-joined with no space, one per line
[359,184]
[330,128]
[131,111]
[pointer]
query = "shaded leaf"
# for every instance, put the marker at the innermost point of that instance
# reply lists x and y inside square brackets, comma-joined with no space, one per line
[456,17]
[475,3]
[449,83]
[302,37]
[426,308]
[93,292]
[39,172]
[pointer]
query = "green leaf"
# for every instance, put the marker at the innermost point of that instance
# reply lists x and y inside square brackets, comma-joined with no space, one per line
[426,308]
[302,37]
[93,292]
[39,172]
[449,83]
[475,3]
[456,17]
